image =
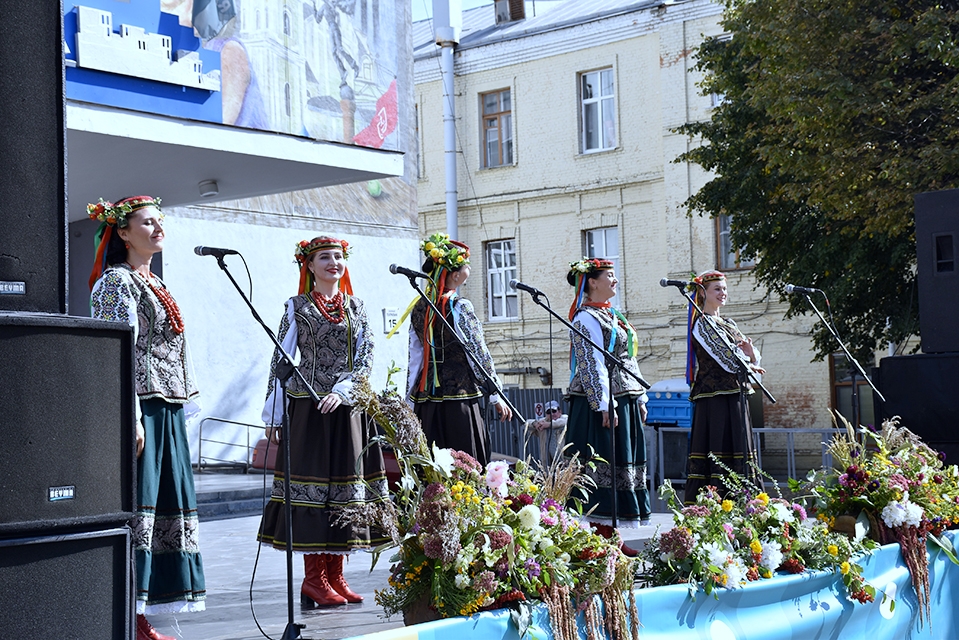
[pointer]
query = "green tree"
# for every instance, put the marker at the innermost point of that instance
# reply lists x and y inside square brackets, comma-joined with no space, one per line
[836,114]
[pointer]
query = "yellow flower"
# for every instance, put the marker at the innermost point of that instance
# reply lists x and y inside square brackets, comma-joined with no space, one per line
[459,259]
[763,497]
[435,253]
[429,246]
[756,546]
[844,568]
[727,506]
[833,550]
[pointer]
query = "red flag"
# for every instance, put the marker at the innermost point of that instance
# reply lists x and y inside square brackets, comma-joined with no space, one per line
[383,123]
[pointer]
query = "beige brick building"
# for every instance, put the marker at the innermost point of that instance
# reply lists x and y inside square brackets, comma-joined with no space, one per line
[566,148]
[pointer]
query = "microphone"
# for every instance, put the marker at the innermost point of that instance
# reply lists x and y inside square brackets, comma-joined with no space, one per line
[409,273]
[515,284]
[791,288]
[682,284]
[213,251]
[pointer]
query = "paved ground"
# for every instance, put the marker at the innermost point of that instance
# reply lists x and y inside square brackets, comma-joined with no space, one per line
[230,559]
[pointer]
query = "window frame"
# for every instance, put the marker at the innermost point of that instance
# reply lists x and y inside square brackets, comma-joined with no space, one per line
[724,249]
[504,273]
[617,301]
[866,401]
[501,129]
[601,100]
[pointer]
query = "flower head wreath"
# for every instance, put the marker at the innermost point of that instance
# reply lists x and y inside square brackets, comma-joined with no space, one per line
[306,248]
[445,252]
[112,216]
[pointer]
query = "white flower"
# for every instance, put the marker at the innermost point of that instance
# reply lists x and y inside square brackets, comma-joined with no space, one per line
[407,483]
[444,459]
[715,554]
[545,544]
[913,514]
[461,581]
[772,555]
[529,516]
[735,575]
[666,557]
[782,512]
[564,557]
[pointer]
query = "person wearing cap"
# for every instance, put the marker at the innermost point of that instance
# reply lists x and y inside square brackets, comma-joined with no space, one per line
[595,418]
[169,568]
[443,383]
[551,432]
[330,464]
[713,362]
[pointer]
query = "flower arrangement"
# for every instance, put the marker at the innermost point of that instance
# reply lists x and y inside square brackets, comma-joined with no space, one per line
[444,251]
[726,542]
[890,485]
[469,538]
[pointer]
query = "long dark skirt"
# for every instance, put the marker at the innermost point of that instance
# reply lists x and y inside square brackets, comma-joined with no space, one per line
[169,569]
[718,428]
[455,424]
[584,429]
[323,475]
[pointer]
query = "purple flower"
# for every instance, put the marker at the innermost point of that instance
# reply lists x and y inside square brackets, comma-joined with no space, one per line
[532,568]
[677,541]
[549,502]
[942,456]
[800,511]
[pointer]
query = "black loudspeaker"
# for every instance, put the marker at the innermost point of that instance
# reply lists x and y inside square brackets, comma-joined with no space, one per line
[67,414]
[921,390]
[33,254]
[71,586]
[937,241]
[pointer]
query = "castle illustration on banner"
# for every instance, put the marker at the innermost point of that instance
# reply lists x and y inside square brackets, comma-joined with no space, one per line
[134,52]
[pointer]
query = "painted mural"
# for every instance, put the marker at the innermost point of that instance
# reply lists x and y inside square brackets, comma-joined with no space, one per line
[322,69]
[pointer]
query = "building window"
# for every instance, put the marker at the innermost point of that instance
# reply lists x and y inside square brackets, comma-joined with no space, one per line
[841,379]
[500,269]
[729,256]
[287,30]
[288,98]
[598,116]
[604,243]
[497,128]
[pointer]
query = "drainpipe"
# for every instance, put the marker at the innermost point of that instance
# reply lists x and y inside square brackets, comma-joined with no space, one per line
[447,24]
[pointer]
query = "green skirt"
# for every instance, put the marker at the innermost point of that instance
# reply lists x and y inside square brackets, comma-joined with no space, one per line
[169,570]
[585,429]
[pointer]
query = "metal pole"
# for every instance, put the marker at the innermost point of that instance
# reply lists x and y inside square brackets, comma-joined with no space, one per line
[449,137]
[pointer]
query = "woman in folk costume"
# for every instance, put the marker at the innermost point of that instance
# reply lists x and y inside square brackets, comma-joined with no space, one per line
[329,328]
[442,381]
[717,397]
[169,570]
[591,424]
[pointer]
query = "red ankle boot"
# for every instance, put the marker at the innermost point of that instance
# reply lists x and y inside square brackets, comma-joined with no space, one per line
[316,588]
[334,571]
[145,630]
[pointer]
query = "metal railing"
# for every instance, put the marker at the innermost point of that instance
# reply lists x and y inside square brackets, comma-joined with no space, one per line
[760,446]
[247,461]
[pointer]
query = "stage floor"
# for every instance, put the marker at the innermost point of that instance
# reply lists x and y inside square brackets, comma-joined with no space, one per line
[229,556]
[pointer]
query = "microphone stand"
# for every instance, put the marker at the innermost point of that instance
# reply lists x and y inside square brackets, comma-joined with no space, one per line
[854,364]
[744,374]
[488,385]
[612,362]
[284,371]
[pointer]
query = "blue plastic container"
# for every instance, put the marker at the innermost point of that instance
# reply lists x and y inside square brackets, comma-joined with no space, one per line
[669,403]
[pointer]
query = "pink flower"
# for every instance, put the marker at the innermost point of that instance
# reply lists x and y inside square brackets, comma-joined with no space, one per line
[497,475]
